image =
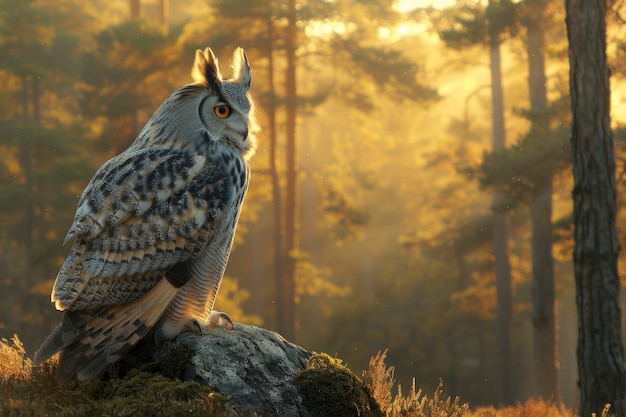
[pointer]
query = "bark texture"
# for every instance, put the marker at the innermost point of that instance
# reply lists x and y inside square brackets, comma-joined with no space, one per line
[600,349]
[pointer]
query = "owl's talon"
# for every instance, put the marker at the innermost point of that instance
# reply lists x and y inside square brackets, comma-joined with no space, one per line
[216,319]
[220,319]
[159,337]
[197,327]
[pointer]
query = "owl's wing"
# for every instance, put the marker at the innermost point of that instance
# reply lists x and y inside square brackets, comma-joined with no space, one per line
[90,341]
[146,212]
[131,183]
[122,271]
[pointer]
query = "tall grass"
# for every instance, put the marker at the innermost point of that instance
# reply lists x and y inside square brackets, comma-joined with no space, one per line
[380,380]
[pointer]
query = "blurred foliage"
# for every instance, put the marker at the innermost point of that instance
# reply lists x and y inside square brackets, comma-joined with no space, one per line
[125,77]
[231,298]
[314,281]
[534,157]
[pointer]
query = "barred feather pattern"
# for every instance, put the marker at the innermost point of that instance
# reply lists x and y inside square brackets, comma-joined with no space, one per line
[154,227]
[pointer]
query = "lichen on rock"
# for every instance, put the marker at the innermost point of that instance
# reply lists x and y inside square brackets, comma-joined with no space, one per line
[252,367]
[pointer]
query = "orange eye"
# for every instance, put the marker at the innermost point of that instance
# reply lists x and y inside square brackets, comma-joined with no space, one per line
[222,111]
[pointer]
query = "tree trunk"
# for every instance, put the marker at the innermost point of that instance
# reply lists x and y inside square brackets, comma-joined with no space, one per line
[135,9]
[544,336]
[600,349]
[291,203]
[26,301]
[545,341]
[26,166]
[129,119]
[164,16]
[500,236]
[35,98]
[274,178]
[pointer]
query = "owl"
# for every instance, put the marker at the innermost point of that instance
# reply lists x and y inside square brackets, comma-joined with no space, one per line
[155,225]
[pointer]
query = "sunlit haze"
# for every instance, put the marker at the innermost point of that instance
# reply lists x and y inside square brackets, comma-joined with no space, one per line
[374,195]
[406,5]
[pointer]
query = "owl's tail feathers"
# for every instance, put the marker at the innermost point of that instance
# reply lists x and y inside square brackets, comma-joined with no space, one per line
[91,341]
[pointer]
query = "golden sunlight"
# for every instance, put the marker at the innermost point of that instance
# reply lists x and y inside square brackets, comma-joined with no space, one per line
[408,5]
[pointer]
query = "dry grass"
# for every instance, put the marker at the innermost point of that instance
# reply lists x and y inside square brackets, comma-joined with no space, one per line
[531,408]
[380,380]
[13,360]
[32,390]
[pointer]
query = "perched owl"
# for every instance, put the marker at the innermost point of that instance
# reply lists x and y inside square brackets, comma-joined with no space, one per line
[155,226]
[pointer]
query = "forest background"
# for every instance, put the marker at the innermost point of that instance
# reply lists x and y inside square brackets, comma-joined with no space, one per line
[378,195]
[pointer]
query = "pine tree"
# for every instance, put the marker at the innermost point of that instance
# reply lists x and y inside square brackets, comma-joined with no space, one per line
[600,347]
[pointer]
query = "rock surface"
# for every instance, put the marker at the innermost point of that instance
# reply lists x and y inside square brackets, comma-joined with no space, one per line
[253,367]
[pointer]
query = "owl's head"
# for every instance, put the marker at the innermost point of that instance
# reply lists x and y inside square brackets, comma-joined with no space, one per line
[211,109]
[227,109]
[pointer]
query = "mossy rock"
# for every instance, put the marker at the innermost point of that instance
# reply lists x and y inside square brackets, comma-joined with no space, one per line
[140,386]
[329,389]
[138,393]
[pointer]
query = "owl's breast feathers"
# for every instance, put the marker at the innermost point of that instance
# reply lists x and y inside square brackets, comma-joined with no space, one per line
[145,212]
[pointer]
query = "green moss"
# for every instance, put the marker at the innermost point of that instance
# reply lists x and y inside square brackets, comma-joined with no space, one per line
[136,386]
[330,389]
[138,393]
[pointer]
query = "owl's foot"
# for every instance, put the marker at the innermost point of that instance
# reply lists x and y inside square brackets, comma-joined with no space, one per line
[220,319]
[216,319]
[169,331]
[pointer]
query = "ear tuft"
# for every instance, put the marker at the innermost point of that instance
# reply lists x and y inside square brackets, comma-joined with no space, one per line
[205,69]
[241,68]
